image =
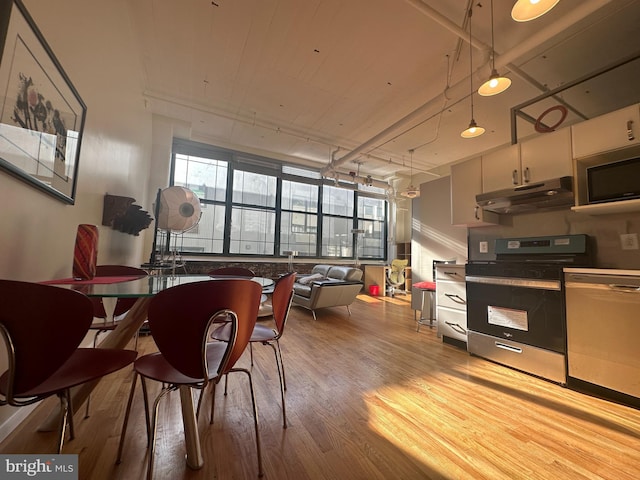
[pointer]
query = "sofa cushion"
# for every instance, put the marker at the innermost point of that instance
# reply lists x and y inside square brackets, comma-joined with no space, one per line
[322,269]
[302,290]
[345,273]
[306,280]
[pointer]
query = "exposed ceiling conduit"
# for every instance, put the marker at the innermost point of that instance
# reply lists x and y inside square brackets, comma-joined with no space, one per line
[460,90]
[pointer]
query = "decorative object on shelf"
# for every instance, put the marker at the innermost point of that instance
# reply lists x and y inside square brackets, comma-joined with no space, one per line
[473,130]
[120,213]
[496,83]
[526,10]
[85,253]
[42,118]
[411,191]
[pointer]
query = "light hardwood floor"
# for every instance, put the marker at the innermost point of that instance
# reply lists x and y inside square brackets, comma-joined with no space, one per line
[368,398]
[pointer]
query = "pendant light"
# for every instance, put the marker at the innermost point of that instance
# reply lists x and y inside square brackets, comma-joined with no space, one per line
[526,10]
[473,130]
[496,83]
[411,191]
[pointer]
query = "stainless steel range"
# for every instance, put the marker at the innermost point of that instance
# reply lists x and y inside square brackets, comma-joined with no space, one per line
[516,303]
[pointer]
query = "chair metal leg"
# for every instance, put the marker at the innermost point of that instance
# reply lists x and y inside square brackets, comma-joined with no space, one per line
[154,428]
[314,314]
[64,411]
[255,418]
[284,380]
[281,377]
[72,428]
[125,422]
[213,401]
[348,310]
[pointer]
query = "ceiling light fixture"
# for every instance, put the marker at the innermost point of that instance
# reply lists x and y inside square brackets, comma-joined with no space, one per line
[473,130]
[496,83]
[411,191]
[526,10]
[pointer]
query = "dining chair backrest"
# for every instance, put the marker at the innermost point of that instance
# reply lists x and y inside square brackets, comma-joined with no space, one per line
[39,338]
[123,304]
[281,300]
[233,272]
[179,318]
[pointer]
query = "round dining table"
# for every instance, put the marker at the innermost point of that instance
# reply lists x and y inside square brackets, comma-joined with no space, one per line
[144,289]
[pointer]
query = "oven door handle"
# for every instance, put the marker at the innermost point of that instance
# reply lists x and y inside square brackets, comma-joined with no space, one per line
[516,282]
[504,346]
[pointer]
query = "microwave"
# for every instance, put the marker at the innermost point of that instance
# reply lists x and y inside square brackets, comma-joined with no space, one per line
[613,182]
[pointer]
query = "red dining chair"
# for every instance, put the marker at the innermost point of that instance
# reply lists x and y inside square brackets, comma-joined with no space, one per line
[42,347]
[180,319]
[123,305]
[281,301]
[232,272]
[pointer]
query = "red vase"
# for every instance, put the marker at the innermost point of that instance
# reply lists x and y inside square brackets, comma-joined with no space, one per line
[85,254]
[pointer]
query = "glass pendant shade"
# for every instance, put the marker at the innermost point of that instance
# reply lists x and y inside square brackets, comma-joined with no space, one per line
[495,85]
[526,10]
[473,131]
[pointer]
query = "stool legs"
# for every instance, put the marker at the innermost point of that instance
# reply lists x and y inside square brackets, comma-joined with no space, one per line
[422,320]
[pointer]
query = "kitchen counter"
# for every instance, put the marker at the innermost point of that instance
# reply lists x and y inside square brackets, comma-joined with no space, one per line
[602,271]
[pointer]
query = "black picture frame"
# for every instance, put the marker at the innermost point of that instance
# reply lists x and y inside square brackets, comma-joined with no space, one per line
[41,113]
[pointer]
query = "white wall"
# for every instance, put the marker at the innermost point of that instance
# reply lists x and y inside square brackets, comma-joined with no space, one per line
[433,237]
[95,44]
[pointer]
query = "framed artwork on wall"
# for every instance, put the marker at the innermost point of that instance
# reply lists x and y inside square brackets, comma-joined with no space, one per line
[41,113]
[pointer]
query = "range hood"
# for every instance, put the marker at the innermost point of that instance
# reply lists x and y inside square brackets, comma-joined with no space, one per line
[554,193]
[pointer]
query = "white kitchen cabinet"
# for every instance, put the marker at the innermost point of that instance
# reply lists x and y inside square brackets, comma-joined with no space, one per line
[547,156]
[607,132]
[466,183]
[451,303]
[541,158]
[501,169]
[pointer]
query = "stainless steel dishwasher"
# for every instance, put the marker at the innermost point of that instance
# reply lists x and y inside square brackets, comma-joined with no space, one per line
[603,328]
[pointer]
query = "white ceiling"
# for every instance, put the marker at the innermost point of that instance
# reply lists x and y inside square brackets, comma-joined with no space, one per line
[370,80]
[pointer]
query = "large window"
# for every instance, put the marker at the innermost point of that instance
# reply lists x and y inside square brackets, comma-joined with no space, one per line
[258,206]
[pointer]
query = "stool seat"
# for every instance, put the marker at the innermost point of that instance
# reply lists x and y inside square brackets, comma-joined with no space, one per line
[429,287]
[425,285]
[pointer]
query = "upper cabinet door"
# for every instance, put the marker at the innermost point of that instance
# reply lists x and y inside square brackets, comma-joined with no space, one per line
[501,169]
[546,156]
[608,132]
[466,183]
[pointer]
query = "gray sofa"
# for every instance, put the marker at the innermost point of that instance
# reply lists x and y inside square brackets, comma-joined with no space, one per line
[327,286]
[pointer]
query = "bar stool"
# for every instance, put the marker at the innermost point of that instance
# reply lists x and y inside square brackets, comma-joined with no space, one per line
[430,288]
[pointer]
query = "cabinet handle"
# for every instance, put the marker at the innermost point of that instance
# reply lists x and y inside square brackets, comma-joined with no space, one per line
[457,327]
[514,177]
[456,298]
[624,288]
[475,212]
[526,176]
[630,136]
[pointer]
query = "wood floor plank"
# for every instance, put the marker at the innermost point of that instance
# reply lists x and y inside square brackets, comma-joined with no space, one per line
[368,397]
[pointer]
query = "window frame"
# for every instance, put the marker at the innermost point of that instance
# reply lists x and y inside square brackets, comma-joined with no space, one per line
[250,163]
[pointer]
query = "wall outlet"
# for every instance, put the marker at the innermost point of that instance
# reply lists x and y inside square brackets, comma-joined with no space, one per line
[484,247]
[629,241]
